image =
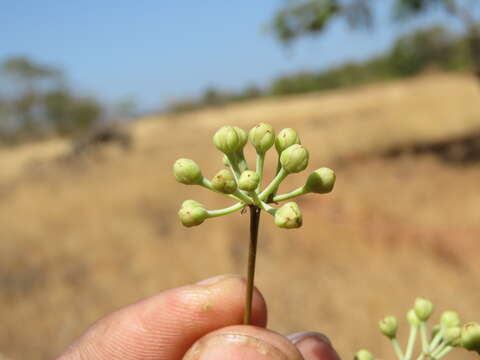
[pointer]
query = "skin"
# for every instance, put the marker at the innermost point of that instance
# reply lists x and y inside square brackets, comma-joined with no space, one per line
[195,322]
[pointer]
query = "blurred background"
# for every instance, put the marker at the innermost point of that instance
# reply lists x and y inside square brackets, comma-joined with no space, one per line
[98,99]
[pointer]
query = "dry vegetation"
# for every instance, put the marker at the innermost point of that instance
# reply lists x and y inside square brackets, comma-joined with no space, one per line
[80,239]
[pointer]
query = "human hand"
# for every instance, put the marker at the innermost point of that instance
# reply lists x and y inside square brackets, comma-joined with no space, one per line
[195,322]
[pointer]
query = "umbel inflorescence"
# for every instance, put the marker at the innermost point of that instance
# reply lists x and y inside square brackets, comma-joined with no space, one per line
[436,343]
[244,185]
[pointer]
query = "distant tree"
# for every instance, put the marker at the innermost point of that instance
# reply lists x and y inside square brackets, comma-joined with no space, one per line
[301,17]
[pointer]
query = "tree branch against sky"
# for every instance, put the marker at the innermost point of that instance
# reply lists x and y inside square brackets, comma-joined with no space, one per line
[302,17]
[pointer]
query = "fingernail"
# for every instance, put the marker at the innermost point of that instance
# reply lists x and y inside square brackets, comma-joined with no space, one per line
[314,346]
[216,279]
[297,337]
[233,347]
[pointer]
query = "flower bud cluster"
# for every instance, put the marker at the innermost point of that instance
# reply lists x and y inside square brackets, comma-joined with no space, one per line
[445,336]
[243,185]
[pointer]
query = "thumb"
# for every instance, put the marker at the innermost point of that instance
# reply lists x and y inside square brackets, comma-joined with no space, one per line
[243,343]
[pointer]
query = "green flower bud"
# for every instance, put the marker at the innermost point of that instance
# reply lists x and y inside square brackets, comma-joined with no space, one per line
[191,203]
[288,216]
[450,319]
[262,137]
[452,336]
[187,172]
[321,181]
[388,326]
[470,337]
[225,160]
[249,180]
[363,355]
[412,318]
[228,140]
[294,159]
[286,138]
[192,215]
[224,182]
[242,136]
[423,308]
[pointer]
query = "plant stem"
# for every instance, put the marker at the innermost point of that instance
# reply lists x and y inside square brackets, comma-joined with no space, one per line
[423,336]
[292,194]
[436,340]
[225,211]
[411,342]
[282,174]
[397,349]
[260,164]
[444,352]
[252,255]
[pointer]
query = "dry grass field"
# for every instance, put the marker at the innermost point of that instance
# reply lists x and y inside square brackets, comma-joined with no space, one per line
[84,237]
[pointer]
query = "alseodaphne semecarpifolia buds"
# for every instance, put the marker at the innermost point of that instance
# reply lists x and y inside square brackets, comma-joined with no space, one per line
[412,318]
[388,326]
[286,138]
[450,319]
[294,159]
[243,185]
[187,172]
[423,308]
[470,337]
[229,140]
[192,213]
[224,182]
[364,355]
[262,137]
[289,216]
[249,180]
[321,181]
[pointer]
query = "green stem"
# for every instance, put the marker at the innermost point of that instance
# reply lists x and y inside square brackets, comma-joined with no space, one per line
[259,169]
[436,340]
[225,211]
[243,197]
[208,185]
[444,352]
[252,255]
[292,194]
[241,161]
[273,185]
[423,336]
[411,342]
[438,350]
[397,349]
[269,209]
[234,165]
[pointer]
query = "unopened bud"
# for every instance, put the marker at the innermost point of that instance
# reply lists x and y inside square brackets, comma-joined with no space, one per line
[249,180]
[262,137]
[423,308]
[294,159]
[242,137]
[187,172]
[452,336]
[286,138]
[224,182]
[450,319]
[321,181]
[192,215]
[191,203]
[412,318]
[289,216]
[228,140]
[470,337]
[388,326]
[363,355]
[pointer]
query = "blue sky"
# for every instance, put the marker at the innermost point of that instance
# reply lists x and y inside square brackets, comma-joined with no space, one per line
[160,50]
